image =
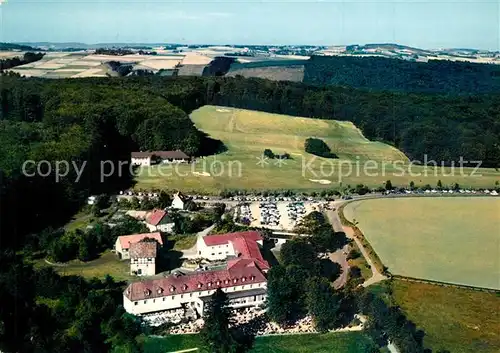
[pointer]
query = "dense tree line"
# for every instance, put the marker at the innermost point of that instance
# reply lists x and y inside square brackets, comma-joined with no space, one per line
[436,76]
[86,125]
[44,313]
[301,283]
[113,51]
[27,58]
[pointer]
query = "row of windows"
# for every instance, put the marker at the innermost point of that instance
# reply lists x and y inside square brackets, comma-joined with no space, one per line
[213,254]
[200,293]
[141,260]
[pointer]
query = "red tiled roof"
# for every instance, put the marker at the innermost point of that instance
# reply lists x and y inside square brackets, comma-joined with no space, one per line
[245,273]
[140,154]
[220,239]
[162,154]
[244,244]
[155,217]
[126,240]
[249,249]
[143,249]
[170,154]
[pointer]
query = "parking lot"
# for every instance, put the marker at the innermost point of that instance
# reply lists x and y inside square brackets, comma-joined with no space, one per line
[278,215]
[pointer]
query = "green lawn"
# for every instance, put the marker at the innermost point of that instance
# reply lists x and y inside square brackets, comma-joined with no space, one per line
[248,133]
[106,264]
[79,221]
[182,241]
[458,320]
[309,343]
[453,239]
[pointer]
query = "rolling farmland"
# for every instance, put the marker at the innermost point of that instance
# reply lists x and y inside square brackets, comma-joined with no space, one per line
[452,239]
[84,64]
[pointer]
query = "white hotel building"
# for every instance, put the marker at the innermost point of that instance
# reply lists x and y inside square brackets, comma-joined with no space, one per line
[243,279]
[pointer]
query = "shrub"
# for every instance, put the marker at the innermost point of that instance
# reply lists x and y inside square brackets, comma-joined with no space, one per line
[319,148]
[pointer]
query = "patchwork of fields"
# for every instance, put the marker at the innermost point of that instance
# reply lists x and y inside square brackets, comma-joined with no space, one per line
[454,239]
[247,134]
[83,64]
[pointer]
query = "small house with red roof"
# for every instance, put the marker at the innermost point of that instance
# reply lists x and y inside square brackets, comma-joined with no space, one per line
[122,244]
[151,157]
[159,221]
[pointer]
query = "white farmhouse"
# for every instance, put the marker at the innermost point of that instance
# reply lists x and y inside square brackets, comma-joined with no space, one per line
[159,221]
[143,258]
[141,158]
[179,201]
[122,244]
[152,157]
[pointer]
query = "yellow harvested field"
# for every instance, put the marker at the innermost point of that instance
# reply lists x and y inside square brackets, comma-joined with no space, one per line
[10,54]
[50,66]
[85,63]
[160,64]
[91,73]
[70,70]
[196,59]
[30,72]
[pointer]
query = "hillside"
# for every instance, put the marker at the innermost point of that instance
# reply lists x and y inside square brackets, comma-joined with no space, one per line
[246,134]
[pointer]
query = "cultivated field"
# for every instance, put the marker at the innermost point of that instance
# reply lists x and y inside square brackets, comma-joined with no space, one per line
[276,70]
[276,73]
[453,239]
[458,320]
[84,64]
[248,133]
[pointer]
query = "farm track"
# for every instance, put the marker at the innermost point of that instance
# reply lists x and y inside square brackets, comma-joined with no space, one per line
[334,219]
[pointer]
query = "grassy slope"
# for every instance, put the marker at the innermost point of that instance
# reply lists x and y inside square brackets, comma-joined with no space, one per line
[458,320]
[247,133]
[445,239]
[107,263]
[310,343]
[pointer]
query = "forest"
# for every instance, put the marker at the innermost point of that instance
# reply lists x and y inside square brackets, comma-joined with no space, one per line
[435,76]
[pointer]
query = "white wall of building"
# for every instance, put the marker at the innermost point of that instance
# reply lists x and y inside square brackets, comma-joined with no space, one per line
[166,228]
[141,161]
[143,267]
[216,252]
[119,251]
[175,301]
[177,203]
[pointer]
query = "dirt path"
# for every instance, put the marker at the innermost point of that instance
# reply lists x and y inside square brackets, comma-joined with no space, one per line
[376,275]
[340,258]
[334,219]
